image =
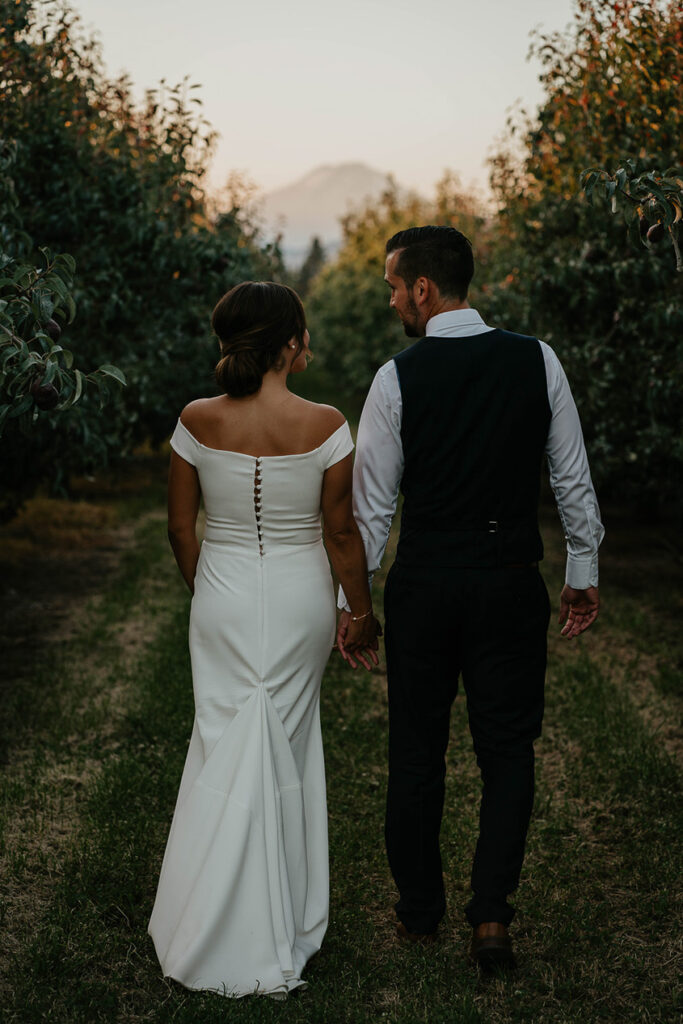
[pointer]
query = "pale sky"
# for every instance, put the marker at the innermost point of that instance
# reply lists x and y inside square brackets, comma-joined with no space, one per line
[411,87]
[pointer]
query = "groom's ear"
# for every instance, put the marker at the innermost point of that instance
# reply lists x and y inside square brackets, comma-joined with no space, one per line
[422,289]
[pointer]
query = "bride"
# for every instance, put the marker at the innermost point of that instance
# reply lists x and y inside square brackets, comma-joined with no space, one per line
[242,902]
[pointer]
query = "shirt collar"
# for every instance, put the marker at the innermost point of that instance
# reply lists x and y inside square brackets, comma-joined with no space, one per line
[455,322]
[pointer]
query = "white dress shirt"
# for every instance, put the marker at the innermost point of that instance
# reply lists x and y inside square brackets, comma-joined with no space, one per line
[379,459]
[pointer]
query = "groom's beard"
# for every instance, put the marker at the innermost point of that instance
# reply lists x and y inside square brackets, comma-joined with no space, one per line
[409,320]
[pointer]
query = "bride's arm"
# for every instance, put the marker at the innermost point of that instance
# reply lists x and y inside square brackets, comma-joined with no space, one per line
[346,552]
[183,507]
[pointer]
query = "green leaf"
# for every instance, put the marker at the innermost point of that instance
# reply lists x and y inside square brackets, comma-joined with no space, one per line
[64,259]
[25,403]
[589,185]
[9,352]
[654,188]
[112,371]
[55,282]
[79,386]
[46,305]
[50,371]
[22,276]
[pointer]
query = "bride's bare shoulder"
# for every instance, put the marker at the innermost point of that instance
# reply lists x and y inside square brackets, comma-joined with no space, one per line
[325,417]
[323,420]
[198,412]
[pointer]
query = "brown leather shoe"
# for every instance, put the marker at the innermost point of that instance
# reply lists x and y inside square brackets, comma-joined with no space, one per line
[422,938]
[492,947]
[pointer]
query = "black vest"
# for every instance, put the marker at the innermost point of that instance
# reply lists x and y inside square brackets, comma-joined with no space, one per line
[474,427]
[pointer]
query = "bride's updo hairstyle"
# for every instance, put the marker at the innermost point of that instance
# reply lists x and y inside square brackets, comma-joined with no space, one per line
[253,322]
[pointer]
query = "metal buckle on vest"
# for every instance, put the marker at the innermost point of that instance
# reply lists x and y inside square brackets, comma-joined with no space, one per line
[493,526]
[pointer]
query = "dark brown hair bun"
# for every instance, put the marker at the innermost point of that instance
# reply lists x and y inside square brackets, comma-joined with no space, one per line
[253,322]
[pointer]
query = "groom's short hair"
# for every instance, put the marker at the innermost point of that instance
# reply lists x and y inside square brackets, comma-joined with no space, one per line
[442,254]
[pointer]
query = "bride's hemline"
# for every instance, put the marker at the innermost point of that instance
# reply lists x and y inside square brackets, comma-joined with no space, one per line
[282,991]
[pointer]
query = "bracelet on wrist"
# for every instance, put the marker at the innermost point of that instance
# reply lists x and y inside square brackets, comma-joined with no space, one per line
[357,618]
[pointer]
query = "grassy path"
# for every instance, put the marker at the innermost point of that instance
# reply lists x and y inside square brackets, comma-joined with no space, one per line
[96,743]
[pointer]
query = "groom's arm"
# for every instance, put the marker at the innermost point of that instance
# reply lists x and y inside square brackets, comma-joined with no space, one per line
[378,467]
[571,481]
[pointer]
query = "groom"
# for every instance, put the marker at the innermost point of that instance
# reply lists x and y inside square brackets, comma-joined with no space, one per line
[460,422]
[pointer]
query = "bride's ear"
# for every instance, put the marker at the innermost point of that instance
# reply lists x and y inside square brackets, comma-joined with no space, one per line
[289,352]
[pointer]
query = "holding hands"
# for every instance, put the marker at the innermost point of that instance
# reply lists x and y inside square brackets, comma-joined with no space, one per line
[357,638]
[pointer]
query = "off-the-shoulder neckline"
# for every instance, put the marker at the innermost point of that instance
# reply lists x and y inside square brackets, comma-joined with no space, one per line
[244,455]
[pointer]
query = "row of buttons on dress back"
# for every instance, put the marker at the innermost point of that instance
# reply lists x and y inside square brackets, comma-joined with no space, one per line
[257,504]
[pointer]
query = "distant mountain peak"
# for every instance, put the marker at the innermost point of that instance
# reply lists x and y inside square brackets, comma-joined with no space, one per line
[335,175]
[313,204]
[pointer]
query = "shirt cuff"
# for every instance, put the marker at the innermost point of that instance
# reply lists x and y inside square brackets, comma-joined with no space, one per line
[582,572]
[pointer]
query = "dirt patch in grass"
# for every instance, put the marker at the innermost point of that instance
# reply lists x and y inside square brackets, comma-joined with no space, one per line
[57,554]
[51,526]
[632,671]
[638,634]
[59,563]
[109,692]
[553,752]
[55,558]
[661,715]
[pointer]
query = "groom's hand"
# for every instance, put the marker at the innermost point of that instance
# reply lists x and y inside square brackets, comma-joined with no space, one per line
[363,653]
[579,608]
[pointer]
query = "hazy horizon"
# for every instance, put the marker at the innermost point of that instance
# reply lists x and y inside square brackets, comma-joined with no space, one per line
[408,91]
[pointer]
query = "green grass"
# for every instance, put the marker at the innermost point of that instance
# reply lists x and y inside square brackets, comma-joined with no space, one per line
[597,920]
[51,677]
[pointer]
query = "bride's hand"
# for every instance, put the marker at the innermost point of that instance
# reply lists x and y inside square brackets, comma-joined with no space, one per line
[358,639]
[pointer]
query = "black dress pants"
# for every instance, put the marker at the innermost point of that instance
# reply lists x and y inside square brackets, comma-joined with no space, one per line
[490,625]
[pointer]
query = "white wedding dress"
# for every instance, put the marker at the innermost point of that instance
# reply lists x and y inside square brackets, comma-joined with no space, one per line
[242,901]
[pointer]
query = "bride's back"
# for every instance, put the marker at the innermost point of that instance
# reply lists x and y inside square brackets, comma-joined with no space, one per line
[271,423]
